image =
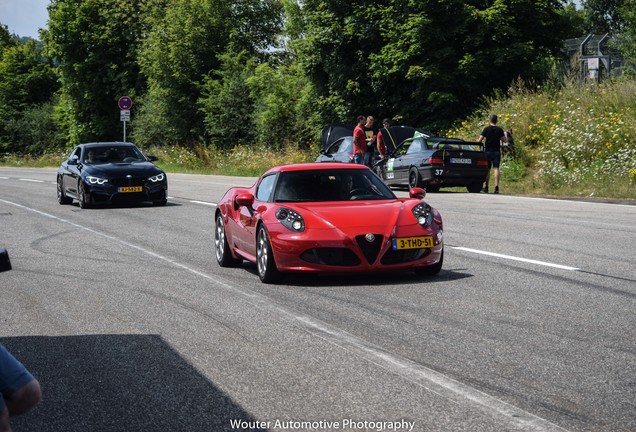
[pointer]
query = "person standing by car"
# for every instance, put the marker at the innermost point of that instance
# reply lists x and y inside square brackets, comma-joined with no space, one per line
[370,135]
[386,123]
[359,141]
[494,136]
[20,391]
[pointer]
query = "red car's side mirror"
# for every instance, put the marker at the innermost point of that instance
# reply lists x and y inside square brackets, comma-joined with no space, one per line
[417,193]
[245,199]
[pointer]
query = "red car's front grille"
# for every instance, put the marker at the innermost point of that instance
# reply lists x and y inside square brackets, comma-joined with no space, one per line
[370,249]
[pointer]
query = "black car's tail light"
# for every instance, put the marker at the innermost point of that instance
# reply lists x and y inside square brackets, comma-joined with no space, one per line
[435,161]
[290,219]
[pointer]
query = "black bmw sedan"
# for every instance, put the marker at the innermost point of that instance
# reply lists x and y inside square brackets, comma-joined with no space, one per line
[110,172]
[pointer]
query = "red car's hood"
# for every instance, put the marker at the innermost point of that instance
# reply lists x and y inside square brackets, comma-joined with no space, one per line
[355,214]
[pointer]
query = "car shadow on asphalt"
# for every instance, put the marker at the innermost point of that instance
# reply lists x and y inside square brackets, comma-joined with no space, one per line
[126,205]
[375,279]
[118,383]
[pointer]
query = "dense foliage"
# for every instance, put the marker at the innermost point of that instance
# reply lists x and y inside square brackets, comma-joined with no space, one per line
[95,45]
[425,63]
[27,85]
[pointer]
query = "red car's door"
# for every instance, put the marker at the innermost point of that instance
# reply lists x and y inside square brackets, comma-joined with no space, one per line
[246,216]
[246,225]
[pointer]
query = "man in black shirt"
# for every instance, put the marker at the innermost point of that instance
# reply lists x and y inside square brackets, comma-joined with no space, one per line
[494,136]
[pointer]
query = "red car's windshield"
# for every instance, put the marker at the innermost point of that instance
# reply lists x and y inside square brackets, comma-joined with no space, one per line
[330,185]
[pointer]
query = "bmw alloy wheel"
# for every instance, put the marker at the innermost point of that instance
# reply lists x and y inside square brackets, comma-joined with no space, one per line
[61,196]
[81,195]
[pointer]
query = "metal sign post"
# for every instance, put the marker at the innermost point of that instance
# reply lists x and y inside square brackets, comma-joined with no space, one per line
[124,115]
[124,103]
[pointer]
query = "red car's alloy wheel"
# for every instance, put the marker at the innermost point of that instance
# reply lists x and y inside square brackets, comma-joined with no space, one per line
[267,270]
[221,246]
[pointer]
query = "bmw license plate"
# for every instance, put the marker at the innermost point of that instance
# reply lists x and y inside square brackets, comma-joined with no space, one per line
[461,161]
[130,189]
[413,243]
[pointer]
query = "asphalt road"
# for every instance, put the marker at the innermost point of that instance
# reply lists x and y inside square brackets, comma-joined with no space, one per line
[128,322]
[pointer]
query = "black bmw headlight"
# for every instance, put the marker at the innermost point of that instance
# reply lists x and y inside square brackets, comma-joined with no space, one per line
[96,180]
[290,219]
[424,214]
[157,178]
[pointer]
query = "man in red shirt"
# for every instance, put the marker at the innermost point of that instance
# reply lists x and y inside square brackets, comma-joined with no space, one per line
[359,141]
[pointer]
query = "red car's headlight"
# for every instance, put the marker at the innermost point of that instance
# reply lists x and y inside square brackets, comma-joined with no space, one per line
[290,219]
[423,214]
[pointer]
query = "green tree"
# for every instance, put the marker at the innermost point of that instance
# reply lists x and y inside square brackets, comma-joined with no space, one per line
[227,103]
[626,38]
[182,46]
[182,52]
[284,114]
[5,38]
[27,82]
[95,44]
[426,62]
[604,15]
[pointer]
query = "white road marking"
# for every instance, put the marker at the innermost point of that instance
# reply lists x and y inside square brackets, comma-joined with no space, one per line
[204,203]
[514,258]
[31,180]
[516,418]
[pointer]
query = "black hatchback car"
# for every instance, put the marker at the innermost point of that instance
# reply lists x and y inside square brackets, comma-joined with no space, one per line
[110,172]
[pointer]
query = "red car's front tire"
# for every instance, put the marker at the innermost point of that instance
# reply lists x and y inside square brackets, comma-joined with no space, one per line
[431,270]
[267,271]
[221,247]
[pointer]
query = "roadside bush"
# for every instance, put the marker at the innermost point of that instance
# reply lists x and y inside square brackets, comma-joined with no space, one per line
[36,130]
[577,136]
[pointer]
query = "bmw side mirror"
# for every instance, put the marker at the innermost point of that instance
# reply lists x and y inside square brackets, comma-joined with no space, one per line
[5,263]
[152,158]
[74,160]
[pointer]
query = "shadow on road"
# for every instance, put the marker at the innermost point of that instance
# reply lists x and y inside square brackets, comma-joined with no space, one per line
[362,279]
[118,383]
